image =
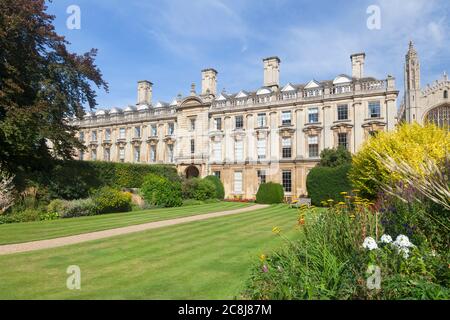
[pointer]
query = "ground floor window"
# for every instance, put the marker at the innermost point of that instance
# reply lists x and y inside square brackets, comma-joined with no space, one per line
[122,154]
[287,180]
[137,154]
[94,154]
[342,140]
[81,155]
[238,182]
[152,153]
[217,174]
[261,176]
[170,152]
[107,154]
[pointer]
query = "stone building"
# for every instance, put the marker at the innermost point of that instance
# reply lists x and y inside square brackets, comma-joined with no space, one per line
[428,104]
[274,133]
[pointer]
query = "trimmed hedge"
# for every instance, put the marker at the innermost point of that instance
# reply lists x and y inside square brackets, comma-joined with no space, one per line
[220,191]
[325,183]
[160,191]
[269,193]
[77,179]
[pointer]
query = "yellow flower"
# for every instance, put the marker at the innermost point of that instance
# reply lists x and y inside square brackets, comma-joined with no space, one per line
[276,230]
[262,257]
[330,200]
[348,197]
[344,193]
[341,203]
[356,191]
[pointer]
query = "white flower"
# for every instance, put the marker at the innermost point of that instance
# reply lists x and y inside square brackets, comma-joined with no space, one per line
[404,251]
[385,238]
[370,244]
[402,241]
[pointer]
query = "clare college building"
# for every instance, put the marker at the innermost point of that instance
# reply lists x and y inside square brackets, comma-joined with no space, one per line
[274,133]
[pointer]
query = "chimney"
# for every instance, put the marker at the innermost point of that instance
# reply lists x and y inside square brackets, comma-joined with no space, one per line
[209,82]
[358,65]
[144,92]
[272,72]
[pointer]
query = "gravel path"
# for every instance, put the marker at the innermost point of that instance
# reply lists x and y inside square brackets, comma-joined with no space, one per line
[63,241]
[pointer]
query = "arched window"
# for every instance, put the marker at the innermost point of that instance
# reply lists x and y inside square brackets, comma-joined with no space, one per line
[440,116]
[445,94]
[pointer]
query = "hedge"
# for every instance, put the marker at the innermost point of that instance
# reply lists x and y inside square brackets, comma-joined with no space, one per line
[162,192]
[77,179]
[325,183]
[220,191]
[269,193]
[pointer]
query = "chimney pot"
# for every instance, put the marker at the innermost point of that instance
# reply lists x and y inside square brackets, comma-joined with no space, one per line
[358,60]
[209,81]
[272,72]
[145,89]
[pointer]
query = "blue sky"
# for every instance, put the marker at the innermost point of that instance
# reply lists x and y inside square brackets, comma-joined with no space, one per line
[169,42]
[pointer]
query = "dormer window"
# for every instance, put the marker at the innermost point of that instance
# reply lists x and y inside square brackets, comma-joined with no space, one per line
[289,95]
[313,93]
[240,102]
[264,99]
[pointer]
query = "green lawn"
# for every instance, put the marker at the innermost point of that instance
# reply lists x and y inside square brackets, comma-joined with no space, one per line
[208,259]
[23,232]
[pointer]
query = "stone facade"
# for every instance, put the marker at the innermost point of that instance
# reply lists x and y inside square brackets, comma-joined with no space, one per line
[275,133]
[429,104]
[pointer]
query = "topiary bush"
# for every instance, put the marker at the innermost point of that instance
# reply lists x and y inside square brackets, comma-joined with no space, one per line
[269,193]
[72,208]
[160,191]
[109,200]
[220,191]
[410,143]
[324,183]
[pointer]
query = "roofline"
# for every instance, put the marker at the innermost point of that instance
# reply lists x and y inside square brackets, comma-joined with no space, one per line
[272,58]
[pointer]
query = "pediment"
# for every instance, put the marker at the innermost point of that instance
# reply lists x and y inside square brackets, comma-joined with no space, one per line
[288,88]
[263,91]
[312,84]
[241,94]
[341,79]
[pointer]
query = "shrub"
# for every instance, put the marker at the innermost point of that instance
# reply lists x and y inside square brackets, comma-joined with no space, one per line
[78,208]
[269,193]
[109,200]
[325,183]
[335,157]
[220,191]
[199,189]
[160,191]
[409,143]
[192,202]
[188,187]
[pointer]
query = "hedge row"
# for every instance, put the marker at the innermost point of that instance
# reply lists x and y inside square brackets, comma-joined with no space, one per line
[77,179]
[325,183]
[270,193]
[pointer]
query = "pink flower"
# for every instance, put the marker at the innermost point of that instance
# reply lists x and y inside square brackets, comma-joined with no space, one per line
[265,268]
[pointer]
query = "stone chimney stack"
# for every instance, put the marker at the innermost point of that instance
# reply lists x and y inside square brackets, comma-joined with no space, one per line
[358,60]
[272,72]
[209,82]
[144,92]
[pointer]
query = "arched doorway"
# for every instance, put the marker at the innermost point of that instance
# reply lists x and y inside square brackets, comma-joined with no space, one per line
[440,116]
[192,172]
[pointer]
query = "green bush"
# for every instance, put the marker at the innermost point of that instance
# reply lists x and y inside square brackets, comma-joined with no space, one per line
[192,202]
[109,200]
[220,191]
[160,191]
[188,187]
[76,208]
[269,193]
[325,183]
[77,179]
[335,157]
[199,189]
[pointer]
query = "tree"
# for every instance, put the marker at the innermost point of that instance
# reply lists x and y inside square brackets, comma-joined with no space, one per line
[335,157]
[6,191]
[42,84]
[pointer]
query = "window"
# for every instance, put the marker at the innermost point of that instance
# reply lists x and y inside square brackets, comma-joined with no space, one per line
[374,109]
[171,129]
[122,133]
[286,118]
[261,120]
[217,174]
[261,176]
[313,115]
[217,151]
[287,180]
[238,182]
[192,146]
[261,148]
[94,136]
[94,154]
[342,140]
[170,152]
[107,154]
[81,155]
[192,124]
[154,130]
[239,122]
[218,123]
[137,132]
[82,136]
[239,150]
[286,144]
[137,154]
[152,153]
[122,154]
[313,146]
[108,134]
[445,94]
[373,133]
[342,112]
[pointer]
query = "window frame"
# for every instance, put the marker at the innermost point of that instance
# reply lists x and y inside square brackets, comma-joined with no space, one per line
[315,115]
[339,112]
[371,105]
[239,120]
[287,183]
